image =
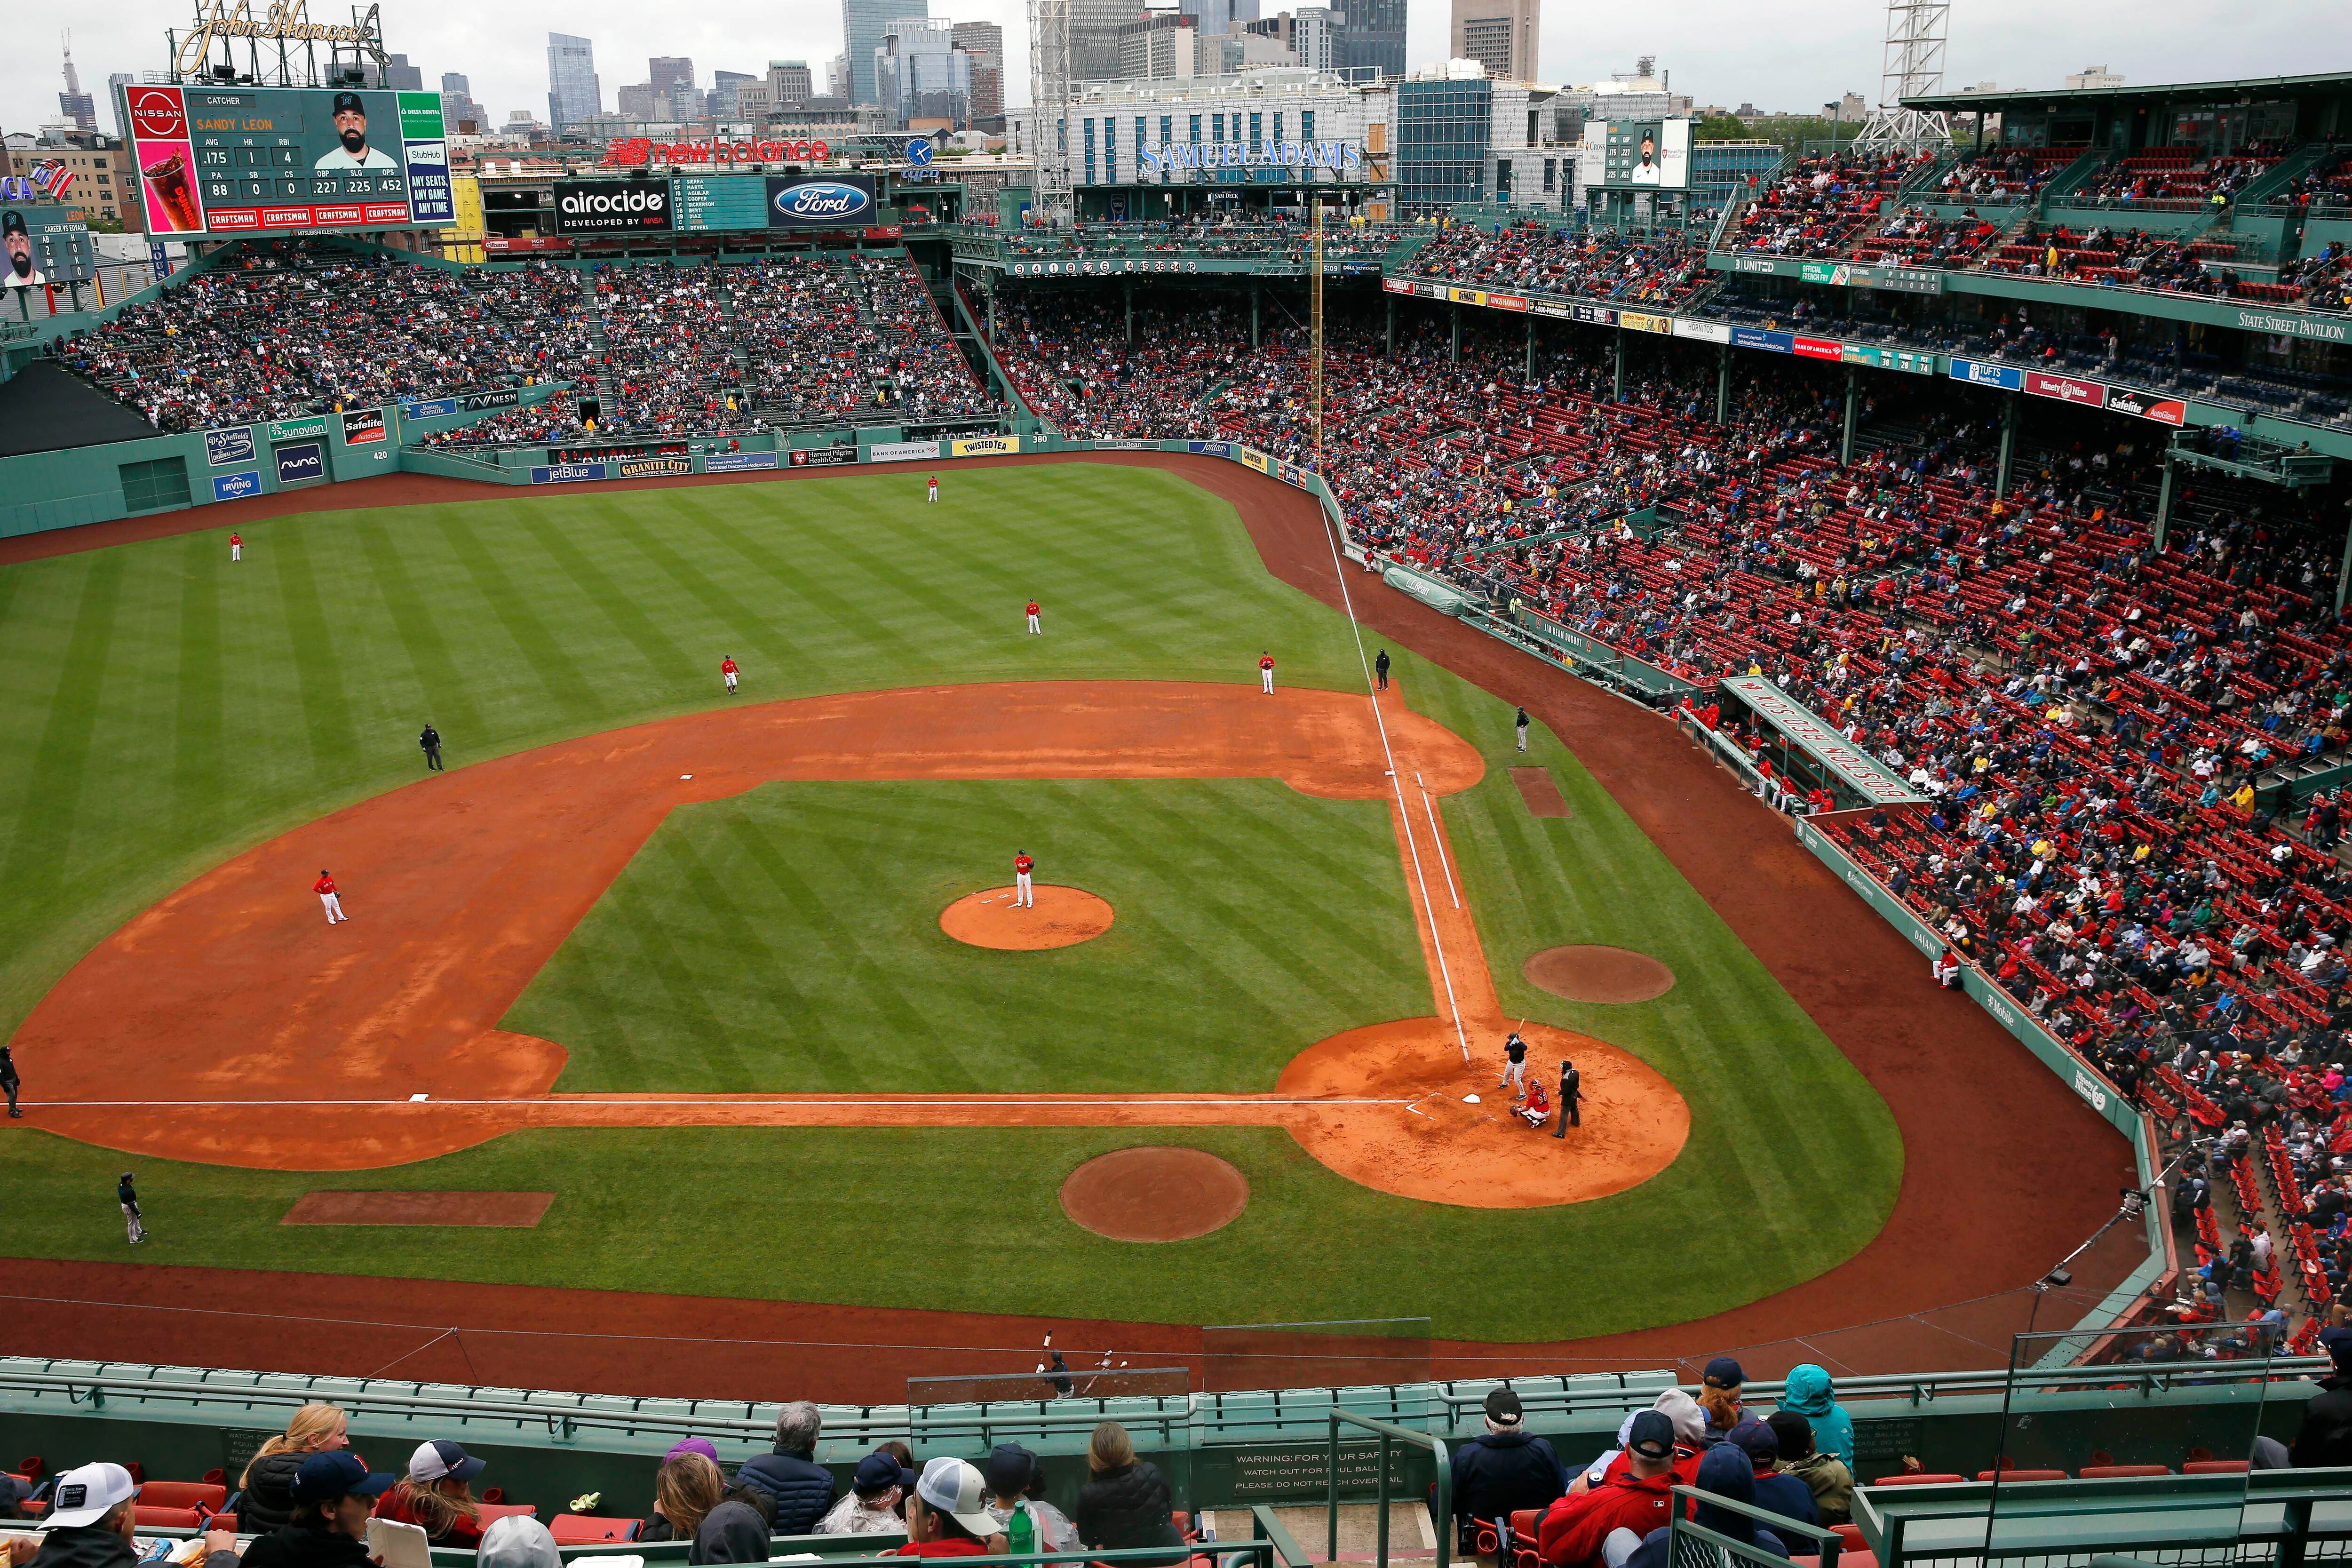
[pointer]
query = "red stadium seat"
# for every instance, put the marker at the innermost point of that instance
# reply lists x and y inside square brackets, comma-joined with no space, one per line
[1920,1479]
[167,1518]
[2215,1468]
[584,1529]
[2117,1472]
[182,1494]
[2021,1475]
[492,1511]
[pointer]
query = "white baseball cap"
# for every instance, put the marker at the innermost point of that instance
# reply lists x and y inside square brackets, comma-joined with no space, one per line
[956,1488]
[83,1496]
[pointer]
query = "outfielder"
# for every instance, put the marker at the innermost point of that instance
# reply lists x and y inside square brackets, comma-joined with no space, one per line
[1023,898]
[235,547]
[1514,1065]
[1036,628]
[325,888]
[935,489]
[727,670]
[1266,672]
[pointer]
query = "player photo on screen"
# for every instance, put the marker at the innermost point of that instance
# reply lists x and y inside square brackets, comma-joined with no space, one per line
[1645,167]
[352,150]
[24,268]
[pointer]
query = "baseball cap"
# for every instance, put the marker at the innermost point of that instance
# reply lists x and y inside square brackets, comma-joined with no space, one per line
[1652,1435]
[1757,1440]
[1689,1420]
[442,1457]
[2337,1344]
[954,1487]
[878,1471]
[1792,1433]
[83,1496]
[349,103]
[11,222]
[1010,1468]
[326,1477]
[1724,1372]
[1503,1407]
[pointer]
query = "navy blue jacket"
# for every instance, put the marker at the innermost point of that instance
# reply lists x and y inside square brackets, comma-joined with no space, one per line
[800,1489]
[1496,1473]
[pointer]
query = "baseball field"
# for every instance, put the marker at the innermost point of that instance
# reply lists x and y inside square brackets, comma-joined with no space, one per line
[677,958]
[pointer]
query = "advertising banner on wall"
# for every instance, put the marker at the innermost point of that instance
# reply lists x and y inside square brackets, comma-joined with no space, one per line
[301,463]
[983,445]
[1704,332]
[2147,405]
[823,457]
[612,206]
[237,487]
[836,201]
[362,427]
[1982,372]
[735,462]
[566,473]
[652,467]
[2065,389]
[1759,338]
[223,447]
[903,451]
[244,159]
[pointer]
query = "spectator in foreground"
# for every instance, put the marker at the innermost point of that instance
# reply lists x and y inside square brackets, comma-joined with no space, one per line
[1012,1483]
[1810,1395]
[871,1508]
[687,1488]
[734,1531]
[1688,1423]
[799,1489]
[1784,1495]
[518,1540]
[1126,1502]
[438,1495]
[332,1496]
[1636,1498]
[265,1494]
[1726,1473]
[1825,1474]
[1719,1395]
[1505,1469]
[2326,1438]
[89,1525]
[948,1516]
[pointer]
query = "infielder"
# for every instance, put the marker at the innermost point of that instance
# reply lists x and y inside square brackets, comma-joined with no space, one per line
[325,888]
[125,1194]
[235,547]
[1523,729]
[727,673]
[1023,899]
[1515,1066]
[1036,628]
[935,488]
[1266,672]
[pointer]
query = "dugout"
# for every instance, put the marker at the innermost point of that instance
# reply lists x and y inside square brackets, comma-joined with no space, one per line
[1809,749]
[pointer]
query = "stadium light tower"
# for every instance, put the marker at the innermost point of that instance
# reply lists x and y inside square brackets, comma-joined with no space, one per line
[1912,65]
[1049,97]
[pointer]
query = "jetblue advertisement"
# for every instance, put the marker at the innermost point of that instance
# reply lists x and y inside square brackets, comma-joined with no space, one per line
[831,201]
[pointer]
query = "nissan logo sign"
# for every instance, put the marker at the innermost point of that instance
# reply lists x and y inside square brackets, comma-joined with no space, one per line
[823,199]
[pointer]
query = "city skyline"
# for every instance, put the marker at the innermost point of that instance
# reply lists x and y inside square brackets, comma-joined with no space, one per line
[1713,49]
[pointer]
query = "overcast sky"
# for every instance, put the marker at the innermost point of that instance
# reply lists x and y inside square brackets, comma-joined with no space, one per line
[1721,51]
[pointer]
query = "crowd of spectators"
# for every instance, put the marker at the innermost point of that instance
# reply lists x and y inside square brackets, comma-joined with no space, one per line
[1630,267]
[1067,356]
[1816,206]
[670,361]
[1277,234]
[2002,176]
[296,328]
[2183,175]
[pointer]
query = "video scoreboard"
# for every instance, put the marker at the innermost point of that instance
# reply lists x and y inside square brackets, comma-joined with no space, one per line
[247,159]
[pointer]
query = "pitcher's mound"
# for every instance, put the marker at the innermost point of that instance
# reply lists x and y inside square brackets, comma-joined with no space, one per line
[1155,1193]
[1599,975]
[1061,917]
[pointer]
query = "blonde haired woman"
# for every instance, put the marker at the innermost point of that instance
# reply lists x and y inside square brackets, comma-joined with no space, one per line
[438,1495]
[687,1487]
[1126,1501]
[265,1498]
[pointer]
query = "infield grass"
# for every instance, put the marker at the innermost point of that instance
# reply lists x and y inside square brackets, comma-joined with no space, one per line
[174,710]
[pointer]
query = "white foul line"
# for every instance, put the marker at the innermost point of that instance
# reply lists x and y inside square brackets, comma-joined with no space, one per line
[708,1100]
[1437,837]
[1404,810]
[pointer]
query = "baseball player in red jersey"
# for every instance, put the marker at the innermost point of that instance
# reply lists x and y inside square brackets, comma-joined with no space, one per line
[1023,899]
[1035,627]
[235,547]
[325,888]
[1266,672]
[935,489]
[727,670]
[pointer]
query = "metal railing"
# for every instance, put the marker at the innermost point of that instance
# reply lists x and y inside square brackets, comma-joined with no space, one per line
[1693,1545]
[1389,1436]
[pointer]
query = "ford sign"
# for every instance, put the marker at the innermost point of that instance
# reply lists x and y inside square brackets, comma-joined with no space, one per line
[820,204]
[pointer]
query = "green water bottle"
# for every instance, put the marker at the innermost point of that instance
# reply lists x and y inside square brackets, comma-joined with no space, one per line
[1020,1531]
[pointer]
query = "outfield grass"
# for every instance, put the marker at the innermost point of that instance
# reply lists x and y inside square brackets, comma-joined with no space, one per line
[788,940]
[174,710]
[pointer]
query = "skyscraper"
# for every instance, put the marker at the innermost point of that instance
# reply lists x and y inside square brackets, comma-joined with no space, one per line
[1094,36]
[396,75]
[1370,37]
[73,104]
[1499,35]
[789,83]
[573,93]
[113,81]
[920,74]
[985,42]
[458,105]
[864,25]
[722,102]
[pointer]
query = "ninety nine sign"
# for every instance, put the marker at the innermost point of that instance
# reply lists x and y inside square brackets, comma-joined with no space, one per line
[1858,768]
[2066,389]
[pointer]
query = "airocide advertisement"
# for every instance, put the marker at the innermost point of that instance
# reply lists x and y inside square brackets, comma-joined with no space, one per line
[612,206]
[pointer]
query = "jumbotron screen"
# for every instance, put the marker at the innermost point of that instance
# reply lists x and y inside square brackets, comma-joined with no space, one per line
[254,159]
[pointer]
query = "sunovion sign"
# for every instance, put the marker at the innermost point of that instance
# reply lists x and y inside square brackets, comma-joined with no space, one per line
[1343,158]
[846,201]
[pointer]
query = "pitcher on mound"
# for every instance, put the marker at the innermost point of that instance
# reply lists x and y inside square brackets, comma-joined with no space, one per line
[1023,898]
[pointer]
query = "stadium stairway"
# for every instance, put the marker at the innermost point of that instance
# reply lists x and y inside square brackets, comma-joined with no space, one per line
[608,394]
